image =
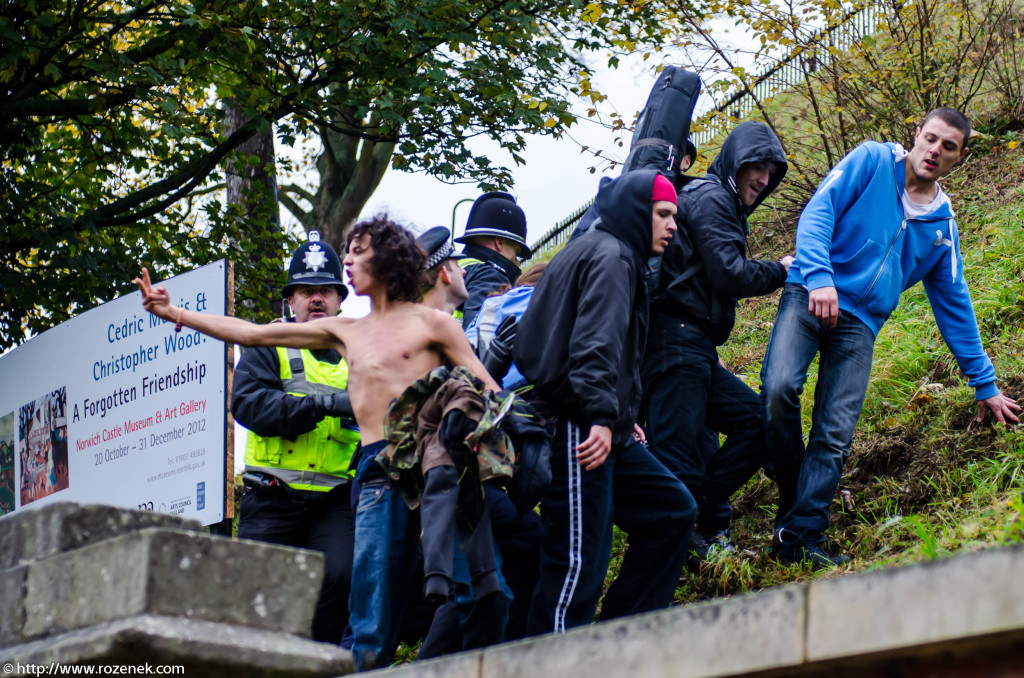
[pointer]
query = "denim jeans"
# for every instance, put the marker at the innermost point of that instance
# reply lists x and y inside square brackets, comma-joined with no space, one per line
[631,489]
[385,567]
[808,478]
[387,577]
[686,392]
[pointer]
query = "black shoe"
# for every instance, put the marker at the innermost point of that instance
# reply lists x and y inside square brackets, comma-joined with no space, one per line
[803,553]
[696,550]
[720,543]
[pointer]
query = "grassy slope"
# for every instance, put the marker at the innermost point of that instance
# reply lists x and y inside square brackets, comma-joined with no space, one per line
[922,480]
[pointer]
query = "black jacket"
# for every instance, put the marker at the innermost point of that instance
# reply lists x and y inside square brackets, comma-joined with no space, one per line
[705,269]
[259,401]
[582,336]
[484,278]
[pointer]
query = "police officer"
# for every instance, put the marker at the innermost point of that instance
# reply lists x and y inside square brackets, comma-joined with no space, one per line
[495,239]
[447,290]
[302,435]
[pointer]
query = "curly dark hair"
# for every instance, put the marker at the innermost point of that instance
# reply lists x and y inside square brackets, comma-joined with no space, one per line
[397,260]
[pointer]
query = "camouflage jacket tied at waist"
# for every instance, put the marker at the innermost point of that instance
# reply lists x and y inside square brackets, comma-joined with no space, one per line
[413,429]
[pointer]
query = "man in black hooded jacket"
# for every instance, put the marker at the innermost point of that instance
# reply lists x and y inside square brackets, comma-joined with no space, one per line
[579,343]
[704,271]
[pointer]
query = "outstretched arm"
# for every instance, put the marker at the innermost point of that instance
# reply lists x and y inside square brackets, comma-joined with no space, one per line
[313,334]
[458,351]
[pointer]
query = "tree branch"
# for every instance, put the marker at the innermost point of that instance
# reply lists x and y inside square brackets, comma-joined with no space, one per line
[185,180]
[299,191]
[304,217]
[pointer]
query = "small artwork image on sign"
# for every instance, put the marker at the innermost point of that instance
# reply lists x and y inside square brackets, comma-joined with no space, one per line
[7,463]
[43,446]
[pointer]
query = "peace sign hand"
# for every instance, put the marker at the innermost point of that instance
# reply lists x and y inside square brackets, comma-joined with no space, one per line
[156,300]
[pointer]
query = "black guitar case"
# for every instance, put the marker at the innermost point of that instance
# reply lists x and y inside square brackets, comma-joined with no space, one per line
[663,130]
[661,133]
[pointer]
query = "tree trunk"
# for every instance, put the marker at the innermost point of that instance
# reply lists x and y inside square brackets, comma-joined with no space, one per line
[252,197]
[350,170]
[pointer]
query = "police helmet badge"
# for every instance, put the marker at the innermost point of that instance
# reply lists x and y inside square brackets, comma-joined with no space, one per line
[314,258]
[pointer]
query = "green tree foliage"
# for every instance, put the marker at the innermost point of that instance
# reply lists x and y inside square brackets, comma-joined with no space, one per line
[110,116]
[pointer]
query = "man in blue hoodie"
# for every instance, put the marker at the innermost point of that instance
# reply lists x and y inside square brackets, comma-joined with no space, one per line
[877,225]
[579,343]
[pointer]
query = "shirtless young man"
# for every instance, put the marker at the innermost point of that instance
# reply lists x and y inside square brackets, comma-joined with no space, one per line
[398,342]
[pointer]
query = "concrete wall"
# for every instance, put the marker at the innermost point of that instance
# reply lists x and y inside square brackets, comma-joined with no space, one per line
[963,616]
[92,585]
[97,585]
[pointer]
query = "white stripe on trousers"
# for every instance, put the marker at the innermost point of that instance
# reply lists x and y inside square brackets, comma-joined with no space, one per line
[575,488]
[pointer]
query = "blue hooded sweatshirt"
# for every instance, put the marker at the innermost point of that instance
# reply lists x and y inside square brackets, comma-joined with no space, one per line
[853,236]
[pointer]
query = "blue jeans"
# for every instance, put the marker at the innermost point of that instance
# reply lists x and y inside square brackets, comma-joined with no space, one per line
[686,392]
[385,565]
[387,575]
[808,478]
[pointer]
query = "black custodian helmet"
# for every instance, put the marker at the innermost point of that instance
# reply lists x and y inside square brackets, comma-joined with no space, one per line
[497,214]
[315,263]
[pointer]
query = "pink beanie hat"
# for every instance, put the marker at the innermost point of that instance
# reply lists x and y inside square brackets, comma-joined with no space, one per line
[663,189]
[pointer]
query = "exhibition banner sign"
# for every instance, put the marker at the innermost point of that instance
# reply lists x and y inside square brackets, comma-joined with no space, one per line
[115,407]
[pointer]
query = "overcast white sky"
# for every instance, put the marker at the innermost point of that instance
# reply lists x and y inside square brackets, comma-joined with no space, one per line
[554,182]
[556,179]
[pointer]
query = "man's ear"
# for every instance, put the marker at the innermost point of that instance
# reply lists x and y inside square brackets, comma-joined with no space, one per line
[444,274]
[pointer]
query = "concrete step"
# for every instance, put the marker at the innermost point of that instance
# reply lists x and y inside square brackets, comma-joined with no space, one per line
[961,616]
[202,649]
[100,586]
[33,534]
[163,572]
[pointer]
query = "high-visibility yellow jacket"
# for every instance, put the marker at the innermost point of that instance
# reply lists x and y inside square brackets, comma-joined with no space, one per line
[317,460]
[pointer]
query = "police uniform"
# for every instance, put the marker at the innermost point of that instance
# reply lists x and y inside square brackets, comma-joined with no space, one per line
[494,214]
[518,535]
[297,478]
